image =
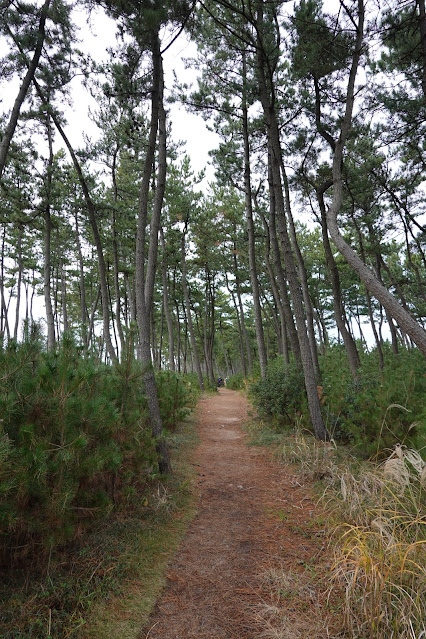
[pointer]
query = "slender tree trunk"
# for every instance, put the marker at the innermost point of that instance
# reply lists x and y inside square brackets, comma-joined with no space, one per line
[64,298]
[131,294]
[189,317]
[90,331]
[158,199]
[374,329]
[250,228]
[170,333]
[422,27]
[115,257]
[283,332]
[303,278]
[142,309]
[19,281]
[240,330]
[392,329]
[339,311]
[281,277]
[50,320]
[241,316]
[267,99]
[4,309]
[22,93]
[83,304]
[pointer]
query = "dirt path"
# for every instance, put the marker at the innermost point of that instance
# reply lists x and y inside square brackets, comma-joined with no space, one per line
[247,566]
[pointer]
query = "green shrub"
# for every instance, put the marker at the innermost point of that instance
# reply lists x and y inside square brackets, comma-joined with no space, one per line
[175,396]
[379,408]
[236,382]
[73,437]
[280,394]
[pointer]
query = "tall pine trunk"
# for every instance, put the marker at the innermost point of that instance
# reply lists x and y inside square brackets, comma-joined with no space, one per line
[268,102]
[250,229]
[142,309]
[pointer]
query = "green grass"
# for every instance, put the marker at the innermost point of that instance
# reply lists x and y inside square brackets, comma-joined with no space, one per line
[106,584]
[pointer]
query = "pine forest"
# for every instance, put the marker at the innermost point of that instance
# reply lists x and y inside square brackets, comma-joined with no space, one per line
[139,281]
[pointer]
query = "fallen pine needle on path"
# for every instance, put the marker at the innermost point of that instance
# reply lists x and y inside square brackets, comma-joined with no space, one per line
[253,561]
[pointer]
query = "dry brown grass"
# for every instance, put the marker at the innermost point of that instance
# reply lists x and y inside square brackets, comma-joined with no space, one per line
[380,557]
[380,548]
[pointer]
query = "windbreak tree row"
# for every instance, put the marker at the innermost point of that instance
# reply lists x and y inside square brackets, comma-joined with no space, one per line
[312,232]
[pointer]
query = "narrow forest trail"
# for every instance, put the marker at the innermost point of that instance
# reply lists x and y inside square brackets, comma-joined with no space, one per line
[256,526]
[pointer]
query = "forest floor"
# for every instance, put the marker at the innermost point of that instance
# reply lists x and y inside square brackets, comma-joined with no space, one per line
[254,562]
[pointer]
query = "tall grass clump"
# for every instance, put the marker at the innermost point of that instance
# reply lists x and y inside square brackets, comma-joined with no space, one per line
[381,549]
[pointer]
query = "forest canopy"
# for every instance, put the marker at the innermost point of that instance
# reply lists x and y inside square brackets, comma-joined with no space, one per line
[309,241]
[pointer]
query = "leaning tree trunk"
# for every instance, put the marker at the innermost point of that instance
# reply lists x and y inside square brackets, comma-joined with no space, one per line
[366,275]
[29,76]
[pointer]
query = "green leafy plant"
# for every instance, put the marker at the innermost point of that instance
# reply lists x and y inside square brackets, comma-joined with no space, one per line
[281,393]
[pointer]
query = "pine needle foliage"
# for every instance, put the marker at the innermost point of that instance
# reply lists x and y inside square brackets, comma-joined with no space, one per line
[74,441]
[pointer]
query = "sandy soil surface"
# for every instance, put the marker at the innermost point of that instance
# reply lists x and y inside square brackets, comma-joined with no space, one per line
[253,561]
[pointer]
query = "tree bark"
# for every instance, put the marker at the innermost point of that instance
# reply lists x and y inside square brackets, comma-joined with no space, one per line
[50,320]
[19,281]
[29,76]
[4,308]
[339,311]
[116,260]
[142,311]
[241,317]
[366,275]
[303,278]
[250,229]
[281,277]
[159,195]
[83,303]
[267,99]
[189,317]
[240,330]
[170,333]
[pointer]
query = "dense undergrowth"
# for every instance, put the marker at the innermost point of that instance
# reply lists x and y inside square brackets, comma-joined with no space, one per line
[75,442]
[377,410]
[377,527]
[373,488]
[79,489]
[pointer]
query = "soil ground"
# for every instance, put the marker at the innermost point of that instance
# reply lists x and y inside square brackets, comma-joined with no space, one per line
[253,561]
